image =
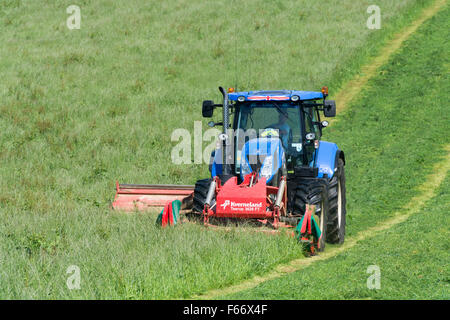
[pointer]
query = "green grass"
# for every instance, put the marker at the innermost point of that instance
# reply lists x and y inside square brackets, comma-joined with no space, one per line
[80,109]
[413,256]
[129,257]
[393,134]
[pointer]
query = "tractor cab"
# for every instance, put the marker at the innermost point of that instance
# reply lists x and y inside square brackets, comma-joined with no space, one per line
[279,120]
[272,166]
[273,131]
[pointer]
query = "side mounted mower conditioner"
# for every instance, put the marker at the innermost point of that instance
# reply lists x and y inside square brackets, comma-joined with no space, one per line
[271,167]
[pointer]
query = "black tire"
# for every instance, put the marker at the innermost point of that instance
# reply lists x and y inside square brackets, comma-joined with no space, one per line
[200,193]
[337,206]
[313,192]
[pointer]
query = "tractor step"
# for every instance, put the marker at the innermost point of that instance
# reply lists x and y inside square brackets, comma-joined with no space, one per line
[141,197]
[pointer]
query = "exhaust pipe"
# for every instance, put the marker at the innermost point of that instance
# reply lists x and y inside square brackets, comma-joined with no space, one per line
[280,192]
[211,191]
[226,124]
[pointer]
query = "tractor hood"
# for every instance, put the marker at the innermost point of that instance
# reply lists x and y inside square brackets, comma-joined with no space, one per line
[262,155]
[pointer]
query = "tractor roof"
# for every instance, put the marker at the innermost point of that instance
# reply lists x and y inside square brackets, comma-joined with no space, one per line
[276,95]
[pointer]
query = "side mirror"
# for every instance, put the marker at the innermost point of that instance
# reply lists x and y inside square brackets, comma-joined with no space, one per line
[212,124]
[207,108]
[329,108]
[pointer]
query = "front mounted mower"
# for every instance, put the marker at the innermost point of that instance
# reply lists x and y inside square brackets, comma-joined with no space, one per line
[271,167]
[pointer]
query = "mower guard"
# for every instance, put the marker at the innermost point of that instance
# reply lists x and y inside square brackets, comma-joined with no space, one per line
[242,201]
[142,197]
[247,200]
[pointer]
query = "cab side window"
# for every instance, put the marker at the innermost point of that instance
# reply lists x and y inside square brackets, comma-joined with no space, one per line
[310,119]
[316,119]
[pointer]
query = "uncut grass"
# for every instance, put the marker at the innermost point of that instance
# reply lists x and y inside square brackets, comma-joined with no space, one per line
[412,256]
[97,104]
[80,109]
[146,261]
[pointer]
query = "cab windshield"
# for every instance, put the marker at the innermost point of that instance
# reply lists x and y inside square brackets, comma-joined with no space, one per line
[254,119]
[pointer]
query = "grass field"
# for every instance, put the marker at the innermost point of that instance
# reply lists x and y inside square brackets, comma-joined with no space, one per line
[412,256]
[80,109]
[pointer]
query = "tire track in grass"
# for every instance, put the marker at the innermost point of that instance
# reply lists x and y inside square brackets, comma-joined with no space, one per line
[426,191]
[353,87]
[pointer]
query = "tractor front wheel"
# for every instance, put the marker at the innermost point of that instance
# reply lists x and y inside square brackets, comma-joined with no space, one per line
[313,192]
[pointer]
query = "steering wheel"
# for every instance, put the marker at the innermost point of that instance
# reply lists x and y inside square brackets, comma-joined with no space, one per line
[273,132]
[269,132]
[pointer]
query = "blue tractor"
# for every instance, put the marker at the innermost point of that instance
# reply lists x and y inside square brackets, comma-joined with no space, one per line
[271,165]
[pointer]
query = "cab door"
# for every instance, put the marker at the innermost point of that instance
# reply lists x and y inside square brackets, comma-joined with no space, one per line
[311,127]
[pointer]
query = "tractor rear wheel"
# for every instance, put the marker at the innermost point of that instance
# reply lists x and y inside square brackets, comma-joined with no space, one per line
[313,192]
[200,194]
[337,203]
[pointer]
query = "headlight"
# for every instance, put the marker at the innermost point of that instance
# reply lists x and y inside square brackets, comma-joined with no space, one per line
[295,98]
[245,168]
[266,170]
[241,98]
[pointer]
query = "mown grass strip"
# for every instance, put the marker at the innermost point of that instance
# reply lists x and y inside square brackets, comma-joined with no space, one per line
[353,87]
[427,191]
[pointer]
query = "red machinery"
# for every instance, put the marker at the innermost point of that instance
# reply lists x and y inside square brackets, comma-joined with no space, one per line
[252,199]
[141,197]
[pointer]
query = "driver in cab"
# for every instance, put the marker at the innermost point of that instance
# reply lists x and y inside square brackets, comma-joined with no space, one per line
[283,128]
